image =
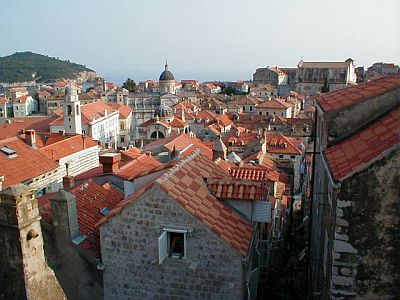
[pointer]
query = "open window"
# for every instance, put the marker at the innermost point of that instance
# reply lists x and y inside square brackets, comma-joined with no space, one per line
[172,243]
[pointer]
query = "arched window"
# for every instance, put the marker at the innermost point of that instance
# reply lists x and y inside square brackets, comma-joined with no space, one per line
[157,135]
[77,109]
[69,110]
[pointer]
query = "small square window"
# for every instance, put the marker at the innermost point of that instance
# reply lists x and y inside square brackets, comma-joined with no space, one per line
[172,244]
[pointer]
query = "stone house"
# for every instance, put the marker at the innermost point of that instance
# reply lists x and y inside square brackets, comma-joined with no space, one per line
[125,123]
[355,212]
[21,163]
[172,239]
[270,75]
[312,76]
[24,106]
[248,103]
[275,107]
[3,107]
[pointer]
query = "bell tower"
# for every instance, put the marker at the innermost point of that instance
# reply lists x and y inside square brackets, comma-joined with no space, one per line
[72,111]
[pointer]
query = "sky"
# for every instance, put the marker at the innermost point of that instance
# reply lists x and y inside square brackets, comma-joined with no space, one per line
[204,40]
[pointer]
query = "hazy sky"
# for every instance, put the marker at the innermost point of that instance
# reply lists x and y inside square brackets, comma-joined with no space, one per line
[205,40]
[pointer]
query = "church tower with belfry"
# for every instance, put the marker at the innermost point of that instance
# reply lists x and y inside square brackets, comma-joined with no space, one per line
[72,111]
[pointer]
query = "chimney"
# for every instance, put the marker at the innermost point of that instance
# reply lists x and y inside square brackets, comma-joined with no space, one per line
[1,182]
[30,138]
[110,162]
[68,182]
[64,216]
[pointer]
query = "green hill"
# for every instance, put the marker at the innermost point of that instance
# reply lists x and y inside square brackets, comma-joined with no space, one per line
[21,65]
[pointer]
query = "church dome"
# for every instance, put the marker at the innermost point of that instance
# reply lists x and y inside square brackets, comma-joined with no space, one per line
[163,111]
[166,75]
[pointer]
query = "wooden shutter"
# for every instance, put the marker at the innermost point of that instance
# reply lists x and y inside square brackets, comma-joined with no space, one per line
[162,247]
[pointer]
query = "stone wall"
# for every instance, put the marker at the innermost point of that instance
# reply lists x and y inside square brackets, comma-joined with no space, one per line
[212,269]
[366,249]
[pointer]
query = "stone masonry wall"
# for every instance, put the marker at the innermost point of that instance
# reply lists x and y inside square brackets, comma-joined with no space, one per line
[129,244]
[366,250]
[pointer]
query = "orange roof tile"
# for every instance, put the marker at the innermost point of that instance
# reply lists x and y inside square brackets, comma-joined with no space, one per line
[280,144]
[40,124]
[238,189]
[349,96]
[185,183]
[124,111]
[68,146]
[365,147]
[27,164]
[90,199]
[275,104]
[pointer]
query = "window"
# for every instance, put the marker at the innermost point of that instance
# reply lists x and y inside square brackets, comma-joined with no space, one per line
[122,139]
[292,156]
[280,155]
[172,243]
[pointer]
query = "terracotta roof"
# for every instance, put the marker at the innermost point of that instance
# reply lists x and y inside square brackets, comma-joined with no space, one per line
[280,144]
[365,147]
[90,199]
[95,110]
[137,166]
[254,174]
[68,146]
[27,164]
[178,123]
[324,65]
[124,111]
[274,104]
[247,100]
[180,142]
[22,99]
[237,189]
[224,120]
[185,183]
[40,124]
[340,99]
[3,100]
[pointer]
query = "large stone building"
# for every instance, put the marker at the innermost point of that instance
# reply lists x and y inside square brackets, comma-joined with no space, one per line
[355,206]
[313,76]
[174,239]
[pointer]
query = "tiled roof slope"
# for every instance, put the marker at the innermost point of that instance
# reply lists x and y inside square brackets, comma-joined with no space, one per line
[238,189]
[365,147]
[28,163]
[184,182]
[90,199]
[40,124]
[345,97]
[68,146]
[124,111]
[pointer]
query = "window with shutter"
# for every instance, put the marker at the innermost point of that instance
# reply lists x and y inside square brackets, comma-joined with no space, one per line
[162,247]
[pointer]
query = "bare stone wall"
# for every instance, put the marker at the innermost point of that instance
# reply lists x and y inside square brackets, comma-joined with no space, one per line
[366,250]
[129,244]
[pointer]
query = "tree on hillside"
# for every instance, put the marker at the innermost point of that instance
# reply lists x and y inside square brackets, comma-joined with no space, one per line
[130,85]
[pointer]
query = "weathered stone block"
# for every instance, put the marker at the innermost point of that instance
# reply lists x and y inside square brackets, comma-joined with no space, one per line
[342,280]
[341,246]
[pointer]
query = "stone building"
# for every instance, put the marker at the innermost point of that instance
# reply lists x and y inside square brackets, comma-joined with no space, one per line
[270,75]
[167,81]
[355,212]
[24,106]
[24,273]
[312,76]
[173,239]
